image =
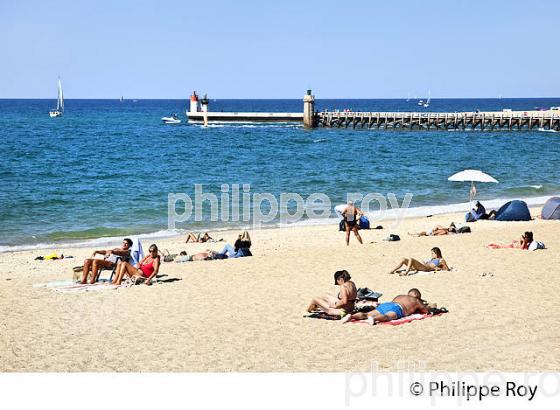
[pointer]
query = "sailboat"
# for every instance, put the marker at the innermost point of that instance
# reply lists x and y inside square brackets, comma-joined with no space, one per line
[427,103]
[59,102]
[121,99]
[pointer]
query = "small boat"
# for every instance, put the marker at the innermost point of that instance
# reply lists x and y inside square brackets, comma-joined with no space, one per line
[421,102]
[121,99]
[174,119]
[427,103]
[59,102]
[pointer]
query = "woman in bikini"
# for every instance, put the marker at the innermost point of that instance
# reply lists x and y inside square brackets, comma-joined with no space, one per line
[437,231]
[434,264]
[351,215]
[147,268]
[198,238]
[337,306]
[523,243]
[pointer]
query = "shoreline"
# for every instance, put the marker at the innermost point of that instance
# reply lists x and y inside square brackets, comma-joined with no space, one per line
[375,218]
[245,315]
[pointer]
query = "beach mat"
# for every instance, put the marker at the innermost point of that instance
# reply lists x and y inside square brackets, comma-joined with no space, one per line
[397,322]
[322,315]
[96,287]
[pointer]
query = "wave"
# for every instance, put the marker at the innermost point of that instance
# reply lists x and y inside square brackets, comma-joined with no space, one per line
[394,215]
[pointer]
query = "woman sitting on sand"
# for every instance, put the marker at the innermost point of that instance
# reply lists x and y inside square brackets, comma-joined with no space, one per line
[523,243]
[434,264]
[341,305]
[147,268]
[199,238]
[437,231]
[240,248]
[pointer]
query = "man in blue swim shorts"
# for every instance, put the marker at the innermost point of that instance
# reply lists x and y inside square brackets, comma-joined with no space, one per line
[401,306]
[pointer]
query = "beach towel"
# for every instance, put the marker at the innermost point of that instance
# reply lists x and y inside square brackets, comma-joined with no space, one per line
[397,322]
[96,287]
[136,252]
[322,315]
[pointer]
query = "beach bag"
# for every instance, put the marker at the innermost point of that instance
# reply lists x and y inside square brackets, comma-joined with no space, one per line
[168,257]
[367,294]
[363,223]
[470,217]
[536,245]
[341,225]
[464,229]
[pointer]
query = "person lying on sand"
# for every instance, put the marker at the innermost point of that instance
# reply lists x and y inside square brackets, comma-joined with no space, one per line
[434,264]
[437,231]
[351,215]
[238,250]
[401,306]
[523,243]
[94,265]
[199,238]
[341,305]
[147,268]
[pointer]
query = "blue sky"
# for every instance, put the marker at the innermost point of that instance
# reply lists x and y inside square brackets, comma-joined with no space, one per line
[258,49]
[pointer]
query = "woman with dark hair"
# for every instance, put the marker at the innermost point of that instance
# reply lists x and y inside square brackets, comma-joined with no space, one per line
[147,268]
[523,243]
[337,306]
[434,264]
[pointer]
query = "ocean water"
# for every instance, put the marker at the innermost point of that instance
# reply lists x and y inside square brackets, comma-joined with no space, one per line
[105,168]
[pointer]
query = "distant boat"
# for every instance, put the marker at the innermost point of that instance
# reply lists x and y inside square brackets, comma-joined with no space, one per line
[408,97]
[427,103]
[121,99]
[59,102]
[420,102]
[174,119]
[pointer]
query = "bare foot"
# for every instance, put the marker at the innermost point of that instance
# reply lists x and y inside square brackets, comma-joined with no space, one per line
[346,319]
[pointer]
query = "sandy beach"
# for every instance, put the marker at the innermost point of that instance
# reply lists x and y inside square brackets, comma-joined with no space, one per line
[246,315]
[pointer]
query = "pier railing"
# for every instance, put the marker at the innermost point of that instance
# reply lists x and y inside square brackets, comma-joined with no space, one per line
[484,121]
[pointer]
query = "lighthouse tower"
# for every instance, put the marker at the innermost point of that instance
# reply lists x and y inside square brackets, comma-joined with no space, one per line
[204,103]
[195,106]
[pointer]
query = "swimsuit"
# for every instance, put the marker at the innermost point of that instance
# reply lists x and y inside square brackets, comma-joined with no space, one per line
[434,262]
[147,269]
[388,307]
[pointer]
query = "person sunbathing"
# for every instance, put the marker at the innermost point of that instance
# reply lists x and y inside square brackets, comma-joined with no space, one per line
[341,305]
[239,249]
[437,231]
[147,268]
[198,238]
[523,243]
[401,306]
[94,265]
[434,264]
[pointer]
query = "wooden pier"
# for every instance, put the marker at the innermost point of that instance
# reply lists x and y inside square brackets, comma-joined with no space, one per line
[506,120]
[482,121]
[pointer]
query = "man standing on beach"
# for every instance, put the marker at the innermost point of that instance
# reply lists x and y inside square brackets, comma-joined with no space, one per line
[92,264]
[351,215]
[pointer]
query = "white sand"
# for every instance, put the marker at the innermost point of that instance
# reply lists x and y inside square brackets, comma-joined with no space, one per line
[246,314]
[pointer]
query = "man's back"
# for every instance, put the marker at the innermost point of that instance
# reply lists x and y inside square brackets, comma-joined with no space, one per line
[410,304]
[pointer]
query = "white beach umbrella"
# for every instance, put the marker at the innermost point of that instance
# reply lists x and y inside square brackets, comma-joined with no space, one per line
[472,176]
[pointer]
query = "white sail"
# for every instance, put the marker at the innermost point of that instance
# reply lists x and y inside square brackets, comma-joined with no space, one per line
[60,100]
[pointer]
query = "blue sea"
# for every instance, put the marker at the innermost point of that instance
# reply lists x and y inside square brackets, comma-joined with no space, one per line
[106,167]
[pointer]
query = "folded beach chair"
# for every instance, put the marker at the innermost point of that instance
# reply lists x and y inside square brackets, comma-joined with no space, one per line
[112,269]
